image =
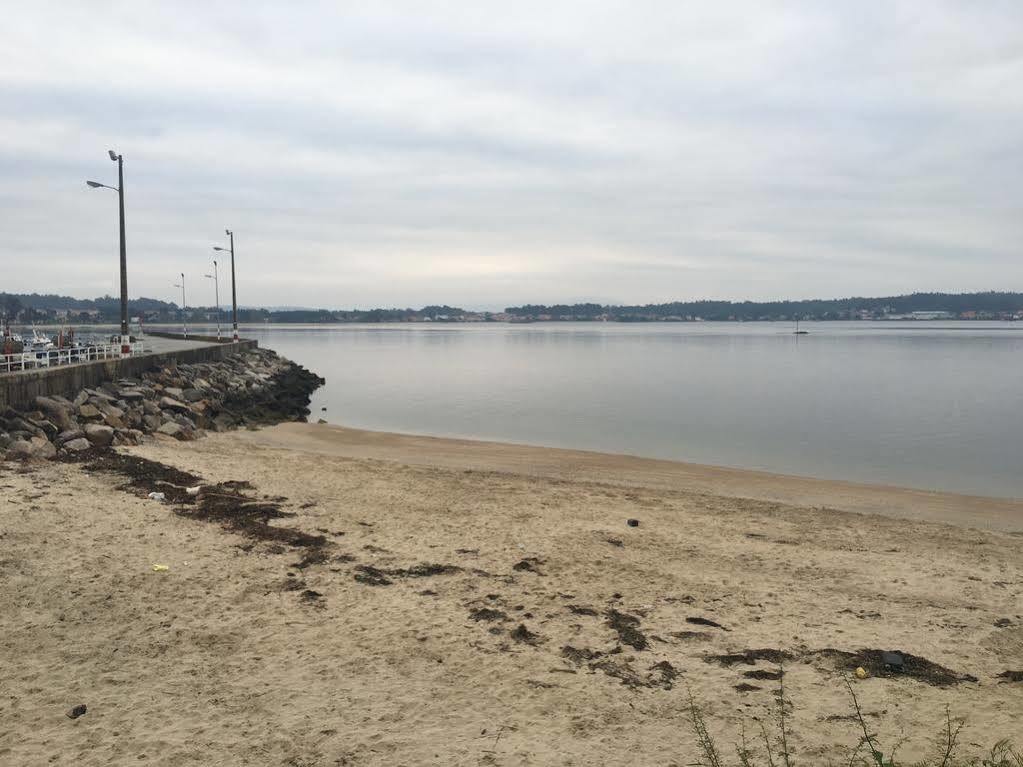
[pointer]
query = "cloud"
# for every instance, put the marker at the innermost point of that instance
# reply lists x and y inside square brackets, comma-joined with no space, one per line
[477,154]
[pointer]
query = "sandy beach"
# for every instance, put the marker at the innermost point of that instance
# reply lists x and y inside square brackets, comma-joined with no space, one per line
[480,604]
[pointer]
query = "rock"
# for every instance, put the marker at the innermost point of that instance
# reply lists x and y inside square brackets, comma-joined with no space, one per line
[223,422]
[77,711]
[56,413]
[191,395]
[42,448]
[76,445]
[151,422]
[20,424]
[168,403]
[99,434]
[114,422]
[109,410]
[131,395]
[19,449]
[67,436]
[81,399]
[171,429]
[89,411]
[150,407]
[99,394]
[173,391]
[184,420]
[48,429]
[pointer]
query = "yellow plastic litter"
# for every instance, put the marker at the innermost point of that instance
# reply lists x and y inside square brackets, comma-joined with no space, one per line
[161,568]
[861,673]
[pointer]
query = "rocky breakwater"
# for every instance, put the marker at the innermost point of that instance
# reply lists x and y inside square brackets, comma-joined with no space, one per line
[177,401]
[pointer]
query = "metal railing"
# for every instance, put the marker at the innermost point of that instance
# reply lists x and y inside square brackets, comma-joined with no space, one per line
[70,356]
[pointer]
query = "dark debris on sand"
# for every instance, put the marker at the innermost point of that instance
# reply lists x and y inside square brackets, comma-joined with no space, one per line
[698,621]
[376,576]
[487,614]
[371,576]
[878,663]
[524,635]
[226,503]
[750,657]
[627,628]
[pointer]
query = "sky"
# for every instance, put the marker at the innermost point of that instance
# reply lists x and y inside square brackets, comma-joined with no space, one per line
[491,154]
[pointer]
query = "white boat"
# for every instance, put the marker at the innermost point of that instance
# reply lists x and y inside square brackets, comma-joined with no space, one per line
[39,343]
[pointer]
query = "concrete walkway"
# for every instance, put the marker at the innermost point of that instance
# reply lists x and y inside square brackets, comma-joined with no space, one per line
[158,345]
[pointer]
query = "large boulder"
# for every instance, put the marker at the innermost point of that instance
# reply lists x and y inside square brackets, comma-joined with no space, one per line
[98,434]
[41,448]
[127,437]
[171,429]
[89,411]
[112,416]
[169,403]
[57,413]
[19,450]
[76,445]
[67,436]
[49,431]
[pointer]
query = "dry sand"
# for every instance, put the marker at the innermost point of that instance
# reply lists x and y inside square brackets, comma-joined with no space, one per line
[222,660]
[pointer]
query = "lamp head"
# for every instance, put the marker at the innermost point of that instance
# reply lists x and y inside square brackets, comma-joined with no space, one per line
[215,247]
[95,184]
[113,154]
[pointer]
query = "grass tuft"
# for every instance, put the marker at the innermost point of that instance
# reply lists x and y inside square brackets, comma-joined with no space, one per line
[866,752]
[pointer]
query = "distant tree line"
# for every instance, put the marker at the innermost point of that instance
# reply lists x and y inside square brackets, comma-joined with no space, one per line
[28,308]
[989,303]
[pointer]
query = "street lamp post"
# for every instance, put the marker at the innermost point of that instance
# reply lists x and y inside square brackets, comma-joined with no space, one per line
[184,320]
[234,294]
[125,337]
[216,293]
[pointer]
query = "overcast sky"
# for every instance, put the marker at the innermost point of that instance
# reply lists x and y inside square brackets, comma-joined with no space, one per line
[489,154]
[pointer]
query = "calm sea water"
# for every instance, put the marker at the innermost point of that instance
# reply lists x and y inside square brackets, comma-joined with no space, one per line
[930,405]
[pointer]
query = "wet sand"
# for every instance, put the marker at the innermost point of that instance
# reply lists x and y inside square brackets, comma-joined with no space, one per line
[579,465]
[488,604]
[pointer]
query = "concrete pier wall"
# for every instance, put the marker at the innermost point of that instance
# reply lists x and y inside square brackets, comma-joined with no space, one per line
[19,389]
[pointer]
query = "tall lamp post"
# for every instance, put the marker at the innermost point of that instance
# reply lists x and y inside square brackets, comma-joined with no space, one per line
[216,292]
[184,321]
[234,294]
[125,337]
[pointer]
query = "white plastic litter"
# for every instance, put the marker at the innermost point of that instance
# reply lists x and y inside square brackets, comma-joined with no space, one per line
[157,497]
[193,490]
